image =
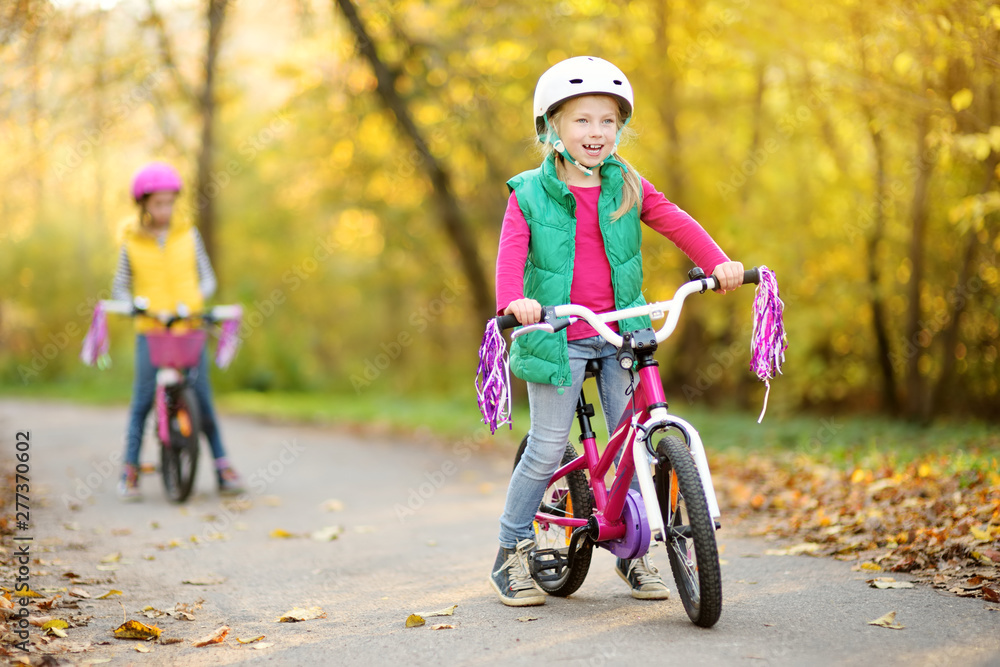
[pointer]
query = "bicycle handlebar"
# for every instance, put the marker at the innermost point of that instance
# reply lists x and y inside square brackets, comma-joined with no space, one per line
[556,318]
[212,315]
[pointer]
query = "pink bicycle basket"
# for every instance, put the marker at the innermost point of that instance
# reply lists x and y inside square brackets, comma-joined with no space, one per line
[168,350]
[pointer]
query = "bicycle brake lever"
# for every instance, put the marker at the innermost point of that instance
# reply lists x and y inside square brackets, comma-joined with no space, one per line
[547,327]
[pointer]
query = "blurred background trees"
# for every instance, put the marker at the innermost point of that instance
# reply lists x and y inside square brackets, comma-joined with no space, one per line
[851,147]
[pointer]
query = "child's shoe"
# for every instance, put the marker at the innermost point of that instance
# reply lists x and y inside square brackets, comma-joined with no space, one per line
[643,578]
[230,483]
[128,485]
[510,577]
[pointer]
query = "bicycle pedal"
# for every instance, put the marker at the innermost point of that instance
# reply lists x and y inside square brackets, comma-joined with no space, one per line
[548,564]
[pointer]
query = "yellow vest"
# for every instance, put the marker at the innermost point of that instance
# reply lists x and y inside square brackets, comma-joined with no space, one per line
[166,275]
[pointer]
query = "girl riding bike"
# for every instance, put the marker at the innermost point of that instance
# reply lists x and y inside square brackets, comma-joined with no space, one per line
[166,264]
[571,234]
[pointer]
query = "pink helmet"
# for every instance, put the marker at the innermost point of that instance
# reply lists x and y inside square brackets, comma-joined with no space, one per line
[155,176]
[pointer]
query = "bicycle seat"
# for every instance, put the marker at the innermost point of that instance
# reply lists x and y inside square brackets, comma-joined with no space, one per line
[593,368]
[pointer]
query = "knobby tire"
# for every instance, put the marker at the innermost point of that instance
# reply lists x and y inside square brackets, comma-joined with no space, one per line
[179,459]
[694,557]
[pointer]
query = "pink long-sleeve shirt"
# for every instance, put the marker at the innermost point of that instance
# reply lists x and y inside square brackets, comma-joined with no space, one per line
[591,286]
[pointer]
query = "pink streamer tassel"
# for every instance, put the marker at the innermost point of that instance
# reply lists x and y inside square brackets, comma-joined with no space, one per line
[229,343]
[769,340]
[96,344]
[493,379]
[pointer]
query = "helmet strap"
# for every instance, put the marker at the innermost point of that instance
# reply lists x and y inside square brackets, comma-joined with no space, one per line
[560,148]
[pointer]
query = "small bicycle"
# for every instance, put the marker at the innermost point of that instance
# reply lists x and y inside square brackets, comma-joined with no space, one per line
[176,355]
[677,505]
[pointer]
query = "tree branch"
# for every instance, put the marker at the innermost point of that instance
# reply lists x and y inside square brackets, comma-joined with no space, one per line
[448,207]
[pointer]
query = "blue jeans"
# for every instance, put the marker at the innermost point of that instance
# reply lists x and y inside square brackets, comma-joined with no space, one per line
[144,391]
[552,411]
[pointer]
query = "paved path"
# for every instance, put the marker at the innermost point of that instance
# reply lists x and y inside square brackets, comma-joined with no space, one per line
[387,564]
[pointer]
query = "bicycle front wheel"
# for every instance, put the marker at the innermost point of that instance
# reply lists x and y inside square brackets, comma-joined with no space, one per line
[179,457]
[690,532]
[569,497]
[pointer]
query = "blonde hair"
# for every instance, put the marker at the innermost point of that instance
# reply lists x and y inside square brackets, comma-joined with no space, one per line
[632,187]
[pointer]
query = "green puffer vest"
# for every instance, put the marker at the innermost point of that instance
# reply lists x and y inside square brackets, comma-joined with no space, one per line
[550,211]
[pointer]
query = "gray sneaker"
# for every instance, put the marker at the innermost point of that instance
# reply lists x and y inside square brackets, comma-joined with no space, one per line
[510,577]
[643,578]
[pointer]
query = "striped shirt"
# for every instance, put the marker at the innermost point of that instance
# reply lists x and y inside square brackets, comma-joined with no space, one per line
[121,286]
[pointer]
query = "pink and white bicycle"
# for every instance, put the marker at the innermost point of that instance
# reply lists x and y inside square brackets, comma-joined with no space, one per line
[175,355]
[676,507]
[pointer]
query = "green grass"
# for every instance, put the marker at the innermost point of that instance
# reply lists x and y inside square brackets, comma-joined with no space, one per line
[841,441]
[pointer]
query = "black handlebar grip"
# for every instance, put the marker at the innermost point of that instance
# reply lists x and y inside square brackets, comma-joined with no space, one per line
[507,322]
[751,276]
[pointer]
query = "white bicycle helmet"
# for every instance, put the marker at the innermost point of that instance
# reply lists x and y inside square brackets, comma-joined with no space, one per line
[582,75]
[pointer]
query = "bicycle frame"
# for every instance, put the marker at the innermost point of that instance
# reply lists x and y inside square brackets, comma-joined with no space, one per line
[635,426]
[646,416]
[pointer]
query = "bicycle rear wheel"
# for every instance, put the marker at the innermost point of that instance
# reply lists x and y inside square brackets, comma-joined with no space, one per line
[569,496]
[690,538]
[179,457]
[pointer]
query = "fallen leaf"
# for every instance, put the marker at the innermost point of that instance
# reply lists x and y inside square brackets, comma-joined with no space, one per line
[798,549]
[214,638]
[443,626]
[55,623]
[332,505]
[874,567]
[447,611]
[171,640]
[79,593]
[56,632]
[45,605]
[299,614]
[28,593]
[142,648]
[249,641]
[108,594]
[136,630]
[71,575]
[281,534]
[982,536]
[525,619]
[327,534]
[887,621]
[108,567]
[889,582]
[414,621]
[991,594]
[261,646]
[112,558]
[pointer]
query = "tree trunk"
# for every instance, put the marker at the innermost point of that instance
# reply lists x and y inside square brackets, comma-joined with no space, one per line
[889,392]
[668,108]
[452,218]
[205,195]
[916,335]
